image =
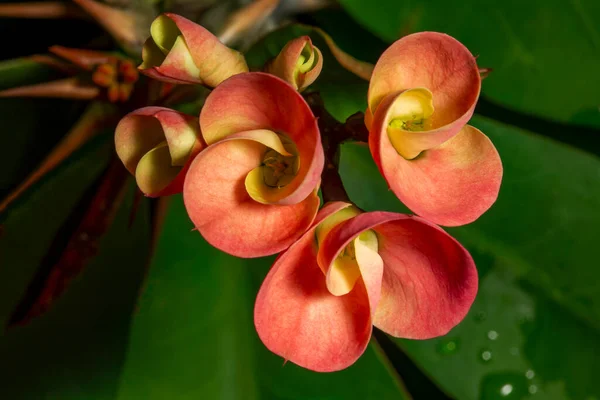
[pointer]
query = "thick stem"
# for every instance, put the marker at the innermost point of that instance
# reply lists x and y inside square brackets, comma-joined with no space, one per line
[332,187]
[333,134]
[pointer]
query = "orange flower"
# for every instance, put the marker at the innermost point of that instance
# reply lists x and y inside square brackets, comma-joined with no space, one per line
[157,145]
[299,63]
[181,51]
[253,191]
[353,270]
[422,93]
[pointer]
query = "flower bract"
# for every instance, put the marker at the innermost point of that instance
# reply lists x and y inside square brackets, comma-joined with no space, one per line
[422,94]
[157,145]
[181,51]
[352,270]
[253,191]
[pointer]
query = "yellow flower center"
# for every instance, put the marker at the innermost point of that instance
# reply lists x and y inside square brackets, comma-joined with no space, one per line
[273,179]
[411,112]
[279,170]
[307,59]
[344,271]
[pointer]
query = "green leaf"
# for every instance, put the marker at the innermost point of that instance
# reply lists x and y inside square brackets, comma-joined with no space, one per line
[30,224]
[343,92]
[538,68]
[24,71]
[537,254]
[193,336]
[76,350]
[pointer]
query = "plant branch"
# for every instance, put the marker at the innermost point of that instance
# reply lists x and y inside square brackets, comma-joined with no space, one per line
[43,10]
[333,134]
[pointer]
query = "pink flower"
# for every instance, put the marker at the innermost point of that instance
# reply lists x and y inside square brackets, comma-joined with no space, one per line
[299,63]
[157,145]
[253,191]
[181,51]
[352,270]
[422,93]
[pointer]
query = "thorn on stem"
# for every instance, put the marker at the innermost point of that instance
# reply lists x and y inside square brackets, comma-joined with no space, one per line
[485,72]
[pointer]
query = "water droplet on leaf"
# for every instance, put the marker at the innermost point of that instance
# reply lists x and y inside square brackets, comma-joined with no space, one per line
[448,347]
[506,389]
[508,386]
[486,356]
[530,374]
[492,335]
[533,389]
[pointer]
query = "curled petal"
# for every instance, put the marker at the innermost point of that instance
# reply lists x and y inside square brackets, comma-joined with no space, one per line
[429,280]
[257,100]
[299,63]
[434,61]
[354,232]
[332,220]
[328,209]
[154,171]
[157,145]
[451,184]
[181,51]
[272,45]
[297,318]
[218,203]
[404,132]
[176,67]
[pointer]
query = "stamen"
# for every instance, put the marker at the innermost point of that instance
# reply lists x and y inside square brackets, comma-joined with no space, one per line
[413,123]
[280,170]
[412,110]
[349,252]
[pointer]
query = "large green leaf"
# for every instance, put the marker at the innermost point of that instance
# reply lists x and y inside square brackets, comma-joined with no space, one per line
[30,224]
[544,52]
[193,336]
[537,314]
[76,350]
[343,92]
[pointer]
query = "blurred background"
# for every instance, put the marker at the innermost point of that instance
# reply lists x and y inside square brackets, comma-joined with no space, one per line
[105,294]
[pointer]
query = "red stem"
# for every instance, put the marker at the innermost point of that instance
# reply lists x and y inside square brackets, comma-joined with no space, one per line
[333,134]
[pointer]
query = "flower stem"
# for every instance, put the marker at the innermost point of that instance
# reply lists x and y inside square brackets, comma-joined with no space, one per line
[333,134]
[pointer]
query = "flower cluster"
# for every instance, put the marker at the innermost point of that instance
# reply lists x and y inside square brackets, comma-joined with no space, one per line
[250,168]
